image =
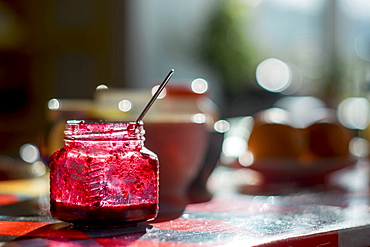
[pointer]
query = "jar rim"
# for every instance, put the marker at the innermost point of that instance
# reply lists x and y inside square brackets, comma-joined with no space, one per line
[101,129]
[92,121]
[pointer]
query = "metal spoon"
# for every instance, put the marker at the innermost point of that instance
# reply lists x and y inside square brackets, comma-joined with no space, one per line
[155,96]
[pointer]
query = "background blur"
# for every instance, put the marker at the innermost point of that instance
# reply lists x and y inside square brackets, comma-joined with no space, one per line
[251,53]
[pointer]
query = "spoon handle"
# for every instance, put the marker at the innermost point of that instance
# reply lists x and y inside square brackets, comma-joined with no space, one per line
[155,96]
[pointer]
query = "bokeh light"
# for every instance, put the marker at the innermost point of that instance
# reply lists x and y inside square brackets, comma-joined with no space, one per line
[273,75]
[299,106]
[53,104]
[246,159]
[162,94]
[125,105]
[199,86]
[29,153]
[359,147]
[275,115]
[234,146]
[198,118]
[296,81]
[353,113]
[102,87]
[221,126]
[38,168]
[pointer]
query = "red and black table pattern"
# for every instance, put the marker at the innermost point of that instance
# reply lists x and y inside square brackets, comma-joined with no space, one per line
[302,219]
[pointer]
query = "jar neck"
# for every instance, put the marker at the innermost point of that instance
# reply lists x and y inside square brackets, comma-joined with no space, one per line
[90,145]
[89,131]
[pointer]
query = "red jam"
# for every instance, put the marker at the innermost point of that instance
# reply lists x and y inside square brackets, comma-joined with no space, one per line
[103,176]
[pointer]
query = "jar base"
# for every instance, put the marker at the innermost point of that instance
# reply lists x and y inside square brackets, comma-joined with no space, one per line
[103,217]
[90,225]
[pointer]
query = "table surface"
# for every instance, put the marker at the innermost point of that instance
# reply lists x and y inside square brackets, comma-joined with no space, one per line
[337,216]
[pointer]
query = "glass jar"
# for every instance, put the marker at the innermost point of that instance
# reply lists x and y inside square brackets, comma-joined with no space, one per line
[104,176]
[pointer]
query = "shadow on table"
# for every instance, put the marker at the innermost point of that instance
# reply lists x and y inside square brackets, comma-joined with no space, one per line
[29,207]
[64,234]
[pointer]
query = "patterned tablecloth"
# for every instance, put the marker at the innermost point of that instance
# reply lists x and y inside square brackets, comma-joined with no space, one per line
[332,217]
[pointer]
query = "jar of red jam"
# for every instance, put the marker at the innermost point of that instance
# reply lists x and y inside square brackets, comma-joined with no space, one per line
[104,175]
